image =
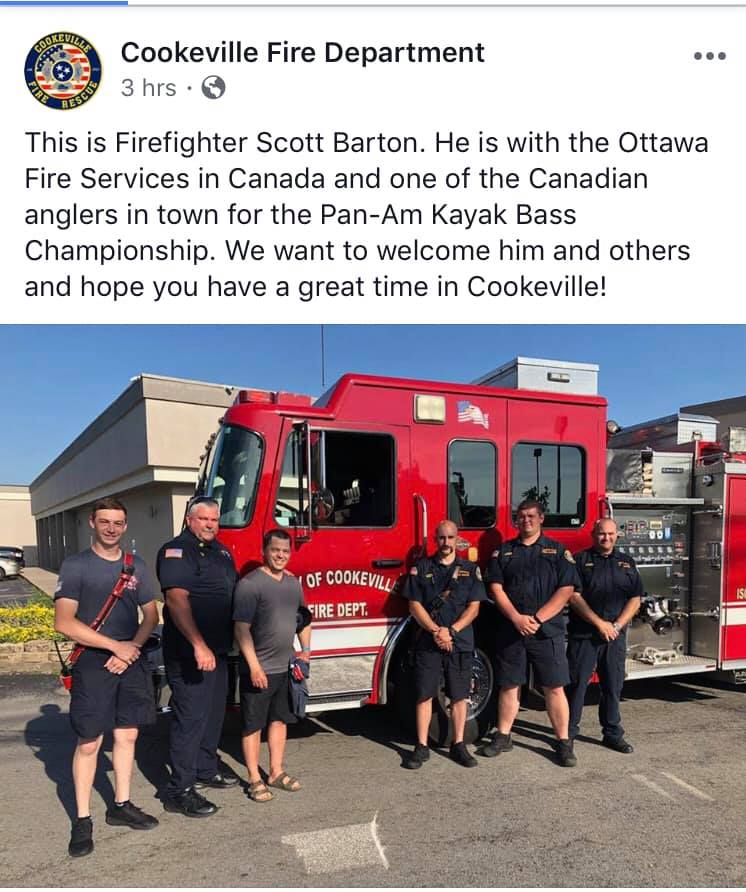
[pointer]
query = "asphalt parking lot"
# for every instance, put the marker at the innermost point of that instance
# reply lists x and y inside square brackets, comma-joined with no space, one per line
[671,814]
[15,590]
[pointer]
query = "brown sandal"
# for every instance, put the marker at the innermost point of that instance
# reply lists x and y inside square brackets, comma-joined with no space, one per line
[285,782]
[259,789]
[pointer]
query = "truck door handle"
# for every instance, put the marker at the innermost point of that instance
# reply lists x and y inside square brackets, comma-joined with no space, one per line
[388,562]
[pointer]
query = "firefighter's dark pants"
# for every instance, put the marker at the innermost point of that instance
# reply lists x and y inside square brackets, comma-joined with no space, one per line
[198,709]
[584,655]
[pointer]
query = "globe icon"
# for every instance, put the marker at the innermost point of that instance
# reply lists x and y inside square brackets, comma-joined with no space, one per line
[213,86]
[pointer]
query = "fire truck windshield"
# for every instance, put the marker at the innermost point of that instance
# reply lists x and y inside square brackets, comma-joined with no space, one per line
[234,473]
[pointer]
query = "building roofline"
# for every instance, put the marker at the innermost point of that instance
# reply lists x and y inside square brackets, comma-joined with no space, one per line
[141,387]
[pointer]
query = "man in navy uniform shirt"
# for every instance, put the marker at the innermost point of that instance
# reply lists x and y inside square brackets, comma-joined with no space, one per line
[600,611]
[197,576]
[531,579]
[444,592]
[112,689]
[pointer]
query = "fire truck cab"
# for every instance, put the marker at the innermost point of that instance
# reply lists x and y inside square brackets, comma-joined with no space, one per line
[361,476]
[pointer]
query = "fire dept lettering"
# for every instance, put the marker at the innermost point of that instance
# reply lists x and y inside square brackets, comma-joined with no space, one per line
[362,578]
[346,609]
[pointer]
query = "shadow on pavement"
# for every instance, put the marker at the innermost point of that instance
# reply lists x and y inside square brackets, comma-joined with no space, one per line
[52,741]
[685,689]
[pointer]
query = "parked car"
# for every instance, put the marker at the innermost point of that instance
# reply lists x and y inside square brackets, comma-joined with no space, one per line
[11,560]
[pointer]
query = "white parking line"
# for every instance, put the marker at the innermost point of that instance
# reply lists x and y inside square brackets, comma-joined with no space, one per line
[339,848]
[688,787]
[640,778]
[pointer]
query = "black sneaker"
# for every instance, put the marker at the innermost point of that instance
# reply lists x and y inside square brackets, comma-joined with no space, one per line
[619,746]
[81,838]
[461,755]
[565,754]
[221,780]
[418,757]
[500,743]
[129,815]
[190,804]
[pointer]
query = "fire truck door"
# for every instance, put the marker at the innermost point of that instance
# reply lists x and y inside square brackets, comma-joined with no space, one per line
[352,555]
[733,622]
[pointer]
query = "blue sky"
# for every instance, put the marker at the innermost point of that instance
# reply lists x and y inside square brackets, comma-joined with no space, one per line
[57,378]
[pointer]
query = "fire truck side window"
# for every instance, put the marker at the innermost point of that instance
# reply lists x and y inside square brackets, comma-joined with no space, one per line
[471,484]
[358,471]
[553,475]
[290,507]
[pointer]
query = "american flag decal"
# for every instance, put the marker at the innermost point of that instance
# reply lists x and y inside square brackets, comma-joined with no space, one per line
[469,413]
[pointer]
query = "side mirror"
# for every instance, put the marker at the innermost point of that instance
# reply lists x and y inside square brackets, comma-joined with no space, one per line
[322,506]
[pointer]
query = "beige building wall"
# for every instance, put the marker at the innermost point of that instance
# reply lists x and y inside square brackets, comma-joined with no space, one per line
[145,449]
[17,525]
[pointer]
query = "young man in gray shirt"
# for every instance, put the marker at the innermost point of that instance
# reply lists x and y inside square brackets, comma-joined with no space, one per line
[112,688]
[265,611]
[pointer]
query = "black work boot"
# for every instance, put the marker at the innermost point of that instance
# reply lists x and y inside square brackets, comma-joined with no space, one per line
[461,755]
[500,743]
[190,803]
[565,754]
[418,757]
[129,815]
[619,746]
[81,838]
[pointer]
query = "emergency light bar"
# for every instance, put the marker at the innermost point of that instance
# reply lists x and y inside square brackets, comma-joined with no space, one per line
[274,397]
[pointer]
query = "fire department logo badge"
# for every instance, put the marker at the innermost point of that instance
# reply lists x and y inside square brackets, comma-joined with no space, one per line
[63,70]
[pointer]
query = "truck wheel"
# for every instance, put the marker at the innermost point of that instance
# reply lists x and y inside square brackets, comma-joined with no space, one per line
[481,711]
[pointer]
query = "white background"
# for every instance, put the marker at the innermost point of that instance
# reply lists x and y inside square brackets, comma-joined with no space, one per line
[600,70]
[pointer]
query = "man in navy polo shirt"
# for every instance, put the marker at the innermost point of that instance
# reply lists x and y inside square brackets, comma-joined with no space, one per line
[531,579]
[444,594]
[605,604]
[197,576]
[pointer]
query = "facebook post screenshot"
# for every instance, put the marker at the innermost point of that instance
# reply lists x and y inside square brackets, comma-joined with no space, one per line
[373,479]
[374,164]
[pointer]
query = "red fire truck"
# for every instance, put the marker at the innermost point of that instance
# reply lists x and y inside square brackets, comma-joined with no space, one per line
[360,477]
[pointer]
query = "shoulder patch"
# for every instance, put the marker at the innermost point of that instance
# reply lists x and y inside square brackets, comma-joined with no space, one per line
[569,557]
[173,553]
[478,574]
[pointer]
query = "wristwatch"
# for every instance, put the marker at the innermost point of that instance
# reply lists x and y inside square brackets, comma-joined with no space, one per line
[452,632]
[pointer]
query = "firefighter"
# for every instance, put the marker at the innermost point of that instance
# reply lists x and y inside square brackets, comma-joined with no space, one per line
[601,609]
[111,688]
[444,593]
[531,578]
[197,576]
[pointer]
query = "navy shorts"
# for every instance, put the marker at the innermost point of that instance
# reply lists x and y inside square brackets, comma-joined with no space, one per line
[260,706]
[431,666]
[547,656]
[101,701]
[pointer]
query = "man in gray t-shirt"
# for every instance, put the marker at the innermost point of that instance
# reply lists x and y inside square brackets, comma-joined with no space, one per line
[112,687]
[265,610]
